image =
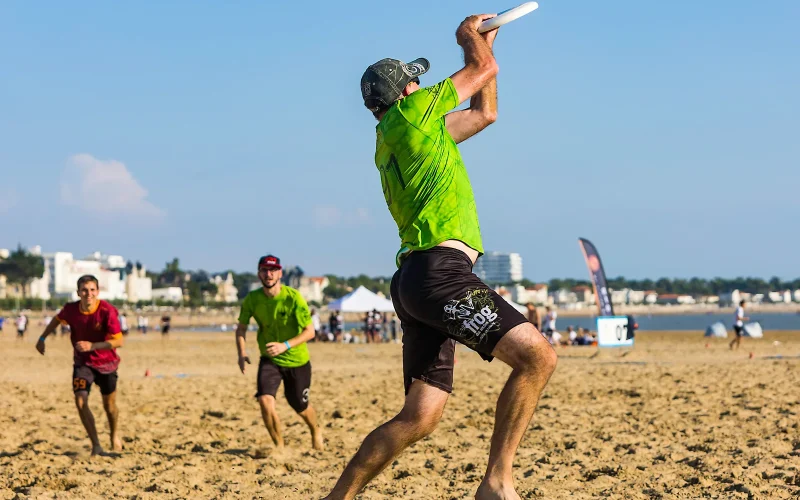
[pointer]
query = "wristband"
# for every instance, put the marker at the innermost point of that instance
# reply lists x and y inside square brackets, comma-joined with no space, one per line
[42,338]
[286,342]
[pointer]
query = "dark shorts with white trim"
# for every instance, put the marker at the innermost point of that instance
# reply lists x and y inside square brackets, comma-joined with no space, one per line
[439,302]
[296,382]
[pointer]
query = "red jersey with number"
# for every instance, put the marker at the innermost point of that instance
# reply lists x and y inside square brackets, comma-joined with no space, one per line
[98,325]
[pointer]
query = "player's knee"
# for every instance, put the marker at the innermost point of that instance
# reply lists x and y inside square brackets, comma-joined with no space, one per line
[548,358]
[81,400]
[420,423]
[427,425]
[267,403]
[109,405]
[524,348]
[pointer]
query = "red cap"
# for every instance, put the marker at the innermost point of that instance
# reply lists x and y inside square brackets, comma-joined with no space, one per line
[269,261]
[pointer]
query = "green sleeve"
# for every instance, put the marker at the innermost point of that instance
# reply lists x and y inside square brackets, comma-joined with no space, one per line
[246,312]
[429,104]
[301,311]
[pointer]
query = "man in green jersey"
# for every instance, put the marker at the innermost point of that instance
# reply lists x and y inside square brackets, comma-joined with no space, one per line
[284,327]
[437,297]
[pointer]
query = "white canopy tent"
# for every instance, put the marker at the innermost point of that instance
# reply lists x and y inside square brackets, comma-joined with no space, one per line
[753,330]
[361,300]
[518,307]
[717,330]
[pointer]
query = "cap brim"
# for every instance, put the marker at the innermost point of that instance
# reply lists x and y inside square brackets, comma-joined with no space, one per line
[417,67]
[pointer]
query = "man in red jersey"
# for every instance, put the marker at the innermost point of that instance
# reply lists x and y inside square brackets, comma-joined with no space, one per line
[95,335]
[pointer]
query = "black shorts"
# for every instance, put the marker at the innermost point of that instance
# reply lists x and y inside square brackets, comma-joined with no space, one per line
[738,330]
[439,302]
[296,382]
[165,329]
[84,376]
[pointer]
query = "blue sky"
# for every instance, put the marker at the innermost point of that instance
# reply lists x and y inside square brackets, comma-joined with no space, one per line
[666,133]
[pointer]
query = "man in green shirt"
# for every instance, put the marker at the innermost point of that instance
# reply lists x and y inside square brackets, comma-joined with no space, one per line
[437,297]
[284,327]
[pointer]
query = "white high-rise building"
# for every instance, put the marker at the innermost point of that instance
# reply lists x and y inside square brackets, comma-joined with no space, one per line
[498,267]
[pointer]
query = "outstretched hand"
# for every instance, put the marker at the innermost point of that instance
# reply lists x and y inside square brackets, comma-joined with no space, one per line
[40,347]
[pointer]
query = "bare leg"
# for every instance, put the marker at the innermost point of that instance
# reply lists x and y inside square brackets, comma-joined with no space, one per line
[310,417]
[112,412]
[533,361]
[418,418]
[271,420]
[82,402]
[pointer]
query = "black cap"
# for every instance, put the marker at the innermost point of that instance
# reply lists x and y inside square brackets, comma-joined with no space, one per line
[383,82]
[269,261]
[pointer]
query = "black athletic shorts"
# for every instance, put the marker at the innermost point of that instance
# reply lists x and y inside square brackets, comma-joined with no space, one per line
[296,382]
[84,376]
[738,330]
[440,301]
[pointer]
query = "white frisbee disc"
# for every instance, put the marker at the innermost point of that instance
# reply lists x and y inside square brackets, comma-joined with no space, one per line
[507,16]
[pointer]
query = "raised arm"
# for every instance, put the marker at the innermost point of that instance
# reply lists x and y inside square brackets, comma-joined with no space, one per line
[482,110]
[479,63]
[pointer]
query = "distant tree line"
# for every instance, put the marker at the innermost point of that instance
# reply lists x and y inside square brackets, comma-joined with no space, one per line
[340,286]
[21,267]
[197,285]
[692,286]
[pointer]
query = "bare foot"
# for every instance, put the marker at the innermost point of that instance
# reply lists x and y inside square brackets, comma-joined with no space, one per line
[317,442]
[267,451]
[97,450]
[116,444]
[495,492]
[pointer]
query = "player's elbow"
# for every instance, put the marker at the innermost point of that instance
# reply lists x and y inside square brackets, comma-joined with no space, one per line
[488,69]
[489,117]
[492,68]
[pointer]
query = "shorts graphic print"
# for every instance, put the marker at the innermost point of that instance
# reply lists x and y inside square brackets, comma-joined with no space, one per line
[470,319]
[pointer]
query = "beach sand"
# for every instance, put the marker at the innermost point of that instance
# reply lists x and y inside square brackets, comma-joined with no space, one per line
[670,419]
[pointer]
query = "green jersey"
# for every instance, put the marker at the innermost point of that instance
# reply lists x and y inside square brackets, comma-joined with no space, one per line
[424,180]
[279,319]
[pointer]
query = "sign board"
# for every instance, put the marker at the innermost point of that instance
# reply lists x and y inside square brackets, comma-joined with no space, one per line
[613,331]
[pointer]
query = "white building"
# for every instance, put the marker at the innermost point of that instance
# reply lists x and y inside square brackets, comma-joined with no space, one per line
[536,294]
[226,291]
[138,287]
[784,297]
[65,270]
[796,295]
[584,294]
[172,294]
[312,288]
[497,267]
[730,298]
[62,270]
[563,297]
